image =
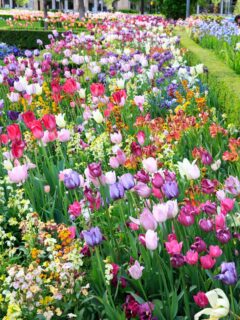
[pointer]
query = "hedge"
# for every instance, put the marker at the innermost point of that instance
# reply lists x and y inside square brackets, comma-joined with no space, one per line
[25,39]
[222,81]
[6,16]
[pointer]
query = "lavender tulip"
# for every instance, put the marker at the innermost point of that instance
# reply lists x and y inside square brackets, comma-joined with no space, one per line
[92,237]
[228,273]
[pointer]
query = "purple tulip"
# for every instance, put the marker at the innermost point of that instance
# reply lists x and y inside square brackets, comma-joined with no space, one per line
[199,245]
[228,273]
[170,189]
[142,176]
[209,207]
[177,260]
[127,181]
[92,237]
[72,180]
[95,169]
[206,225]
[13,115]
[116,191]
[223,235]
[206,158]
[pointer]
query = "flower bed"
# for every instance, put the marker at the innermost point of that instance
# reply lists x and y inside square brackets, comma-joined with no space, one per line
[119,187]
[220,36]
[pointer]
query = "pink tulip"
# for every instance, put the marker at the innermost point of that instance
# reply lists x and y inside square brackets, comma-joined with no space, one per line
[220,221]
[110,177]
[113,162]
[147,220]
[173,247]
[207,262]
[215,251]
[227,205]
[121,158]
[18,174]
[116,137]
[151,240]
[141,137]
[142,189]
[150,165]
[191,257]
[160,212]
[135,270]
[72,231]
[64,135]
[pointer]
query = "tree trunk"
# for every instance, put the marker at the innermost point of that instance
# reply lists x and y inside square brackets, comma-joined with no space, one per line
[45,11]
[81,9]
[142,7]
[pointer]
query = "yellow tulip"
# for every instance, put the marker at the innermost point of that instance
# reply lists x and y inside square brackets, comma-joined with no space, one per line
[219,305]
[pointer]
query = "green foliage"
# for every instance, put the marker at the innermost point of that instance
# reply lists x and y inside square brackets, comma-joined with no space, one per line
[222,80]
[237,8]
[175,8]
[131,11]
[21,3]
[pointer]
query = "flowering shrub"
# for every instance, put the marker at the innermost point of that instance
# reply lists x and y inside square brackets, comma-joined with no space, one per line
[119,183]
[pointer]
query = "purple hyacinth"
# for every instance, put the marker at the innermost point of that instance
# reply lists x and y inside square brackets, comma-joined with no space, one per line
[72,180]
[127,181]
[93,236]
[116,191]
[170,189]
[228,273]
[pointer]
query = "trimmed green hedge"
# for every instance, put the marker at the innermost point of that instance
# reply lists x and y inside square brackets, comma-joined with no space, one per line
[6,16]
[25,39]
[131,11]
[223,82]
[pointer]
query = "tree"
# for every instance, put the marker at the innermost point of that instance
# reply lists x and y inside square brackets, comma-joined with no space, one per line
[215,5]
[142,6]
[81,9]
[21,3]
[237,8]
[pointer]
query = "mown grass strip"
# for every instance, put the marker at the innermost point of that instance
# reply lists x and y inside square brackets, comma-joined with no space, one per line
[222,80]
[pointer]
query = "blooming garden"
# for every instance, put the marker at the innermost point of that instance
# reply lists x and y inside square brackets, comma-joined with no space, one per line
[119,180]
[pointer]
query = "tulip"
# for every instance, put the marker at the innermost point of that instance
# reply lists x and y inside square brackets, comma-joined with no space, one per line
[215,251]
[177,260]
[95,169]
[208,186]
[127,181]
[157,180]
[61,123]
[228,273]
[64,135]
[14,132]
[92,237]
[110,177]
[160,212]
[72,179]
[147,220]
[97,89]
[150,165]
[201,299]
[223,235]
[142,176]
[28,117]
[232,185]
[173,247]
[206,225]
[170,189]
[121,157]
[186,219]
[191,257]
[188,170]
[18,174]
[72,231]
[116,191]
[151,240]
[209,207]
[207,261]
[75,209]
[97,116]
[113,162]
[116,137]
[135,270]
[227,205]
[141,137]
[142,189]
[219,305]
[199,245]
[49,121]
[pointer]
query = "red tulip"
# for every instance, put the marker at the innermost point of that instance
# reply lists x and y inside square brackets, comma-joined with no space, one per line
[18,148]
[70,86]
[49,121]
[97,89]
[4,138]
[14,132]
[201,299]
[119,97]
[36,128]
[28,117]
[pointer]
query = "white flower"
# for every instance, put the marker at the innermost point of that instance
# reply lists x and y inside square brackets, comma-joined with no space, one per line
[97,116]
[219,305]
[190,170]
[216,165]
[82,93]
[60,120]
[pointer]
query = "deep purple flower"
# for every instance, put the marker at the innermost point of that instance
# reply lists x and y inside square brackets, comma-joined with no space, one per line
[223,235]
[130,307]
[142,176]
[145,311]
[206,158]
[208,186]
[199,245]
[127,181]
[177,260]
[93,236]
[13,115]
[116,191]
[228,273]
[209,207]
[72,180]
[170,189]
[95,169]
